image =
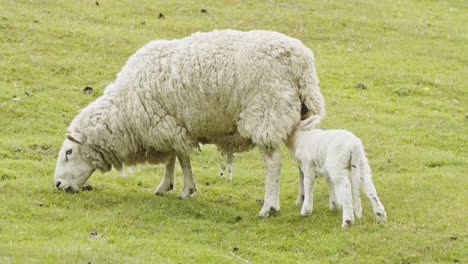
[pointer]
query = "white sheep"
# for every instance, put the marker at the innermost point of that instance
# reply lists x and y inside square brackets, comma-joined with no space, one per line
[230,88]
[339,156]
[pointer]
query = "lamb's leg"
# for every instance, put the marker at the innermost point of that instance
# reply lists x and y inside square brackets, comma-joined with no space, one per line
[271,204]
[190,186]
[369,189]
[341,180]
[300,194]
[309,178]
[167,184]
[334,199]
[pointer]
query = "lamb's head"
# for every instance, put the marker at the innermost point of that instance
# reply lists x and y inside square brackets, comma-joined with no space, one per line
[72,169]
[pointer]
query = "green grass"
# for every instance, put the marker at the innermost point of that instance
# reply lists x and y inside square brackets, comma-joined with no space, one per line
[412,118]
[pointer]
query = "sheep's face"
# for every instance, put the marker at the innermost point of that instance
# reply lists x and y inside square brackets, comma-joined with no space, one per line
[72,169]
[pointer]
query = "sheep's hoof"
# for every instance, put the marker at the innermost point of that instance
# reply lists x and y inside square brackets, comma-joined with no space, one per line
[187,193]
[162,190]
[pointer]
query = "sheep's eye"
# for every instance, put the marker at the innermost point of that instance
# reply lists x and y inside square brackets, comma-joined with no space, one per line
[68,152]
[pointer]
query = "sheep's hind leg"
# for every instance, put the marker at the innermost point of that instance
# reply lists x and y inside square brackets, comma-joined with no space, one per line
[190,186]
[230,164]
[167,183]
[272,182]
[227,163]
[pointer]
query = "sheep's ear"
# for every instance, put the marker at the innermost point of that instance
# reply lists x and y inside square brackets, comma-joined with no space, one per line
[76,137]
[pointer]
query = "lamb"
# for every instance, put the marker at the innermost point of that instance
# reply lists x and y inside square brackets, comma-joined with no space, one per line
[234,89]
[339,156]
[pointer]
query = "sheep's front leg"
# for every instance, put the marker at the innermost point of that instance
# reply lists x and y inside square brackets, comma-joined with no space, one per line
[309,178]
[190,186]
[167,183]
[300,194]
[271,203]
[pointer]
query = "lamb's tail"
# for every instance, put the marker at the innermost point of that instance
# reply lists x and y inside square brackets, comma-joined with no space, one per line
[363,171]
[310,95]
[358,165]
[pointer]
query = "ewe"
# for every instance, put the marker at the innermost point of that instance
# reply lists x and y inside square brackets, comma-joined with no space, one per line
[339,156]
[230,88]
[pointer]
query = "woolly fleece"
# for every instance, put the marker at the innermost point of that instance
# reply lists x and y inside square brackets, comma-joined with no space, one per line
[229,88]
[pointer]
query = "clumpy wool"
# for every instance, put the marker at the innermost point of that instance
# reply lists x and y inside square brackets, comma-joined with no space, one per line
[229,88]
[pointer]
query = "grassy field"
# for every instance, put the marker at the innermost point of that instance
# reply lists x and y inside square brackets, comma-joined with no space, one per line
[412,57]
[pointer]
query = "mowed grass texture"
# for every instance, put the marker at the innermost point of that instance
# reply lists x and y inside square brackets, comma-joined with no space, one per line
[410,110]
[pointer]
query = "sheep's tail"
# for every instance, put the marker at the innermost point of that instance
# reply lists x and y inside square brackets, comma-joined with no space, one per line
[310,95]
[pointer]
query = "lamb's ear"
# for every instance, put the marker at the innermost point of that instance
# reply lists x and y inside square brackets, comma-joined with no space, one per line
[76,137]
[310,122]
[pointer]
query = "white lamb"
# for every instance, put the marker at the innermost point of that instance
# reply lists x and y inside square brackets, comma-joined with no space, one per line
[230,88]
[339,156]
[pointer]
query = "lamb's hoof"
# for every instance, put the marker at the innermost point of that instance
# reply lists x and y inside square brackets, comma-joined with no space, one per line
[347,223]
[334,206]
[187,193]
[358,213]
[267,211]
[300,200]
[306,212]
[381,217]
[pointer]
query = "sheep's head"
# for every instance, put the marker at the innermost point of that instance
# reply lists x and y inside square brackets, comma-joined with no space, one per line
[72,168]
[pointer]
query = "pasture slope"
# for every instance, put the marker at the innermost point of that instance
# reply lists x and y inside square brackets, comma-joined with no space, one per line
[393,72]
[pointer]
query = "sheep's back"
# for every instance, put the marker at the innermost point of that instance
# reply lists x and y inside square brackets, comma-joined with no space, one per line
[206,80]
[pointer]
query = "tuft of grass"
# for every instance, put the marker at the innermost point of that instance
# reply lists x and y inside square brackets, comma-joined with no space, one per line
[411,57]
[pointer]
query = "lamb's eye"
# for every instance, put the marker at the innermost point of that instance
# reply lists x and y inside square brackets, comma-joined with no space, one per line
[68,152]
